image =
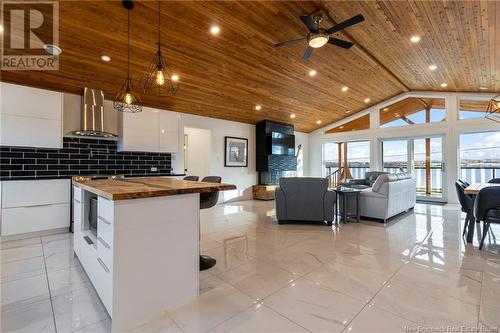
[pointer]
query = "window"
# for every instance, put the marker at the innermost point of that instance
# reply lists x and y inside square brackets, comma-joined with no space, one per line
[395,155]
[469,109]
[330,157]
[412,111]
[358,157]
[357,124]
[479,156]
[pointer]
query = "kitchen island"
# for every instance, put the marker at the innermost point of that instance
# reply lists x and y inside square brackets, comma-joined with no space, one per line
[138,241]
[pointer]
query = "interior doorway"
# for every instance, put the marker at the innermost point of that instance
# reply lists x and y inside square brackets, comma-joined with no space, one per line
[197,151]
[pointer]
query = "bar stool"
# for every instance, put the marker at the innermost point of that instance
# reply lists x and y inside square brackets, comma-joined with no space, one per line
[208,200]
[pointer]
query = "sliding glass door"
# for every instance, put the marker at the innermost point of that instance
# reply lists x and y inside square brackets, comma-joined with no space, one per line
[423,157]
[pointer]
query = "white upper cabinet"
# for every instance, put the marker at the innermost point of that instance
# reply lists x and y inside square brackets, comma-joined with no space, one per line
[169,132]
[151,130]
[30,117]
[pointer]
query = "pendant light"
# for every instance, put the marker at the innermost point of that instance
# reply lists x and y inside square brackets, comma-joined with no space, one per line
[493,110]
[127,100]
[159,79]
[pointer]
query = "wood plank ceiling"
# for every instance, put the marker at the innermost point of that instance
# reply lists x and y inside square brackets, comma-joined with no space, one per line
[227,75]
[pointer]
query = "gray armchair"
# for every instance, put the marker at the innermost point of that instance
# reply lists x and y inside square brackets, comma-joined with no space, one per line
[304,199]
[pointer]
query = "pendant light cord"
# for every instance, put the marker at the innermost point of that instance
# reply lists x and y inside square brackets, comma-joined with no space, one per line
[128,44]
[159,24]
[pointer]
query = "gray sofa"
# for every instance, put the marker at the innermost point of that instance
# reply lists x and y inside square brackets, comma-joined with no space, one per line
[370,178]
[304,199]
[390,195]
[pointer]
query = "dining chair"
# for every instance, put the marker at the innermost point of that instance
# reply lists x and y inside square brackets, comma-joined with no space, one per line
[192,178]
[466,203]
[494,181]
[487,209]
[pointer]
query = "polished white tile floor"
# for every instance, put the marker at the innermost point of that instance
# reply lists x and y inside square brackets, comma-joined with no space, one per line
[415,272]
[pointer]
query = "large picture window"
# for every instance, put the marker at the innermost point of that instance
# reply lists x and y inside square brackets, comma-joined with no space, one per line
[469,109]
[480,156]
[412,111]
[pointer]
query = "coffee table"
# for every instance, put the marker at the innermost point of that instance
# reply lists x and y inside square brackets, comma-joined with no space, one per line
[345,195]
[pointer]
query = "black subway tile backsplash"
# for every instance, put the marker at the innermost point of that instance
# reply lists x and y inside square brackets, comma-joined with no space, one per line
[79,156]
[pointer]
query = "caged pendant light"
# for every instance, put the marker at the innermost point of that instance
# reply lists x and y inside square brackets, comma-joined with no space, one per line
[158,79]
[493,110]
[127,100]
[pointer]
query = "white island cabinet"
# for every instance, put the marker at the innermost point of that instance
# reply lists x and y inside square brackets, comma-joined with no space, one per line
[143,258]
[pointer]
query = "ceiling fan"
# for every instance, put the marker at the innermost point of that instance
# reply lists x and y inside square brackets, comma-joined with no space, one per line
[318,37]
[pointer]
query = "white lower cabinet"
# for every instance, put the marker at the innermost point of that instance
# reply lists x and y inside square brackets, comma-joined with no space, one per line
[34,206]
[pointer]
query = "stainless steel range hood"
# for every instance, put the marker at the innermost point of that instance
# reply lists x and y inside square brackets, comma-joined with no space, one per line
[93,117]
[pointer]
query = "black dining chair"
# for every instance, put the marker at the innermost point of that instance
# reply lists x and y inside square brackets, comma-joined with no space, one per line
[466,203]
[494,181]
[193,178]
[208,200]
[463,182]
[487,209]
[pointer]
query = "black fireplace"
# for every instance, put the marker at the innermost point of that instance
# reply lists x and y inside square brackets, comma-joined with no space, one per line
[275,145]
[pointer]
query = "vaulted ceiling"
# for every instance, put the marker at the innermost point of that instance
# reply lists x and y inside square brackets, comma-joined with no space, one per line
[226,75]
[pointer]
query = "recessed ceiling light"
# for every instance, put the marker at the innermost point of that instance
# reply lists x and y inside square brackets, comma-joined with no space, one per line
[367,100]
[483,88]
[348,111]
[174,77]
[341,127]
[345,88]
[214,30]
[312,72]
[1,28]
[258,107]
[292,116]
[396,114]
[105,58]
[52,49]
[444,85]
[318,122]
[385,109]
[433,67]
[415,39]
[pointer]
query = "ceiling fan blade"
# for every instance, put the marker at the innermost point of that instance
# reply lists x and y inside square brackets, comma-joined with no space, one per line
[339,42]
[290,42]
[308,53]
[309,23]
[347,23]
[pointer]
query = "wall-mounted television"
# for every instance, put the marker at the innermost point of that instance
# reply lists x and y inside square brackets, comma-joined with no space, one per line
[280,144]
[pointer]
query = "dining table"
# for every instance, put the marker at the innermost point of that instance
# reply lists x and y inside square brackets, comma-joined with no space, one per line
[472,190]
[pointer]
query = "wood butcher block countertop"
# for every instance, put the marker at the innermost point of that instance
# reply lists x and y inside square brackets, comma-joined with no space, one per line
[146,187]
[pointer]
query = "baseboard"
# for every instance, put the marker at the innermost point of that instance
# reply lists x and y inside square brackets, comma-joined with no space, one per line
[34,234]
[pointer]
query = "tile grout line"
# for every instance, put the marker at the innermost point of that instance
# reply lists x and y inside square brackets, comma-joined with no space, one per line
[48,286]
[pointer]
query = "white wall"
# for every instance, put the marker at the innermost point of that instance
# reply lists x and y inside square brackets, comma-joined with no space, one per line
[199,147]
[242,177]
[450,129]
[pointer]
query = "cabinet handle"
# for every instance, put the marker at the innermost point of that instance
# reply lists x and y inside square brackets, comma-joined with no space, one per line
[41,205]
[77,201]
[106,269]
[104,220]
[103,242]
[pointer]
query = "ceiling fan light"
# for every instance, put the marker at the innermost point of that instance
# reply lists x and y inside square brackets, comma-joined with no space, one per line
[317,41]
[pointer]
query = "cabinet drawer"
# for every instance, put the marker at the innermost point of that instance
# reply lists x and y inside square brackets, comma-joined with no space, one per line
[105,231]
[21,193]
[19,220]
[103,284]
[105,252]
[105,209]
